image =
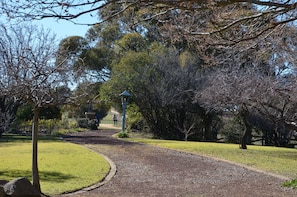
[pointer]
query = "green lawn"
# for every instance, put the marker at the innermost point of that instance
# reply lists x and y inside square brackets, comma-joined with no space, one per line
[62,166]
[281,161]
[108,119]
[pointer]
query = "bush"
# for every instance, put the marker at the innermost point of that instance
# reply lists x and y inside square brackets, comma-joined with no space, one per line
[82,122]
[86,123]
[135,120]
[93,124]
[123,134]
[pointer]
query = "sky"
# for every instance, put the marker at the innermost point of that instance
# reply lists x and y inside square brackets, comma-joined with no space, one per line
[63,28]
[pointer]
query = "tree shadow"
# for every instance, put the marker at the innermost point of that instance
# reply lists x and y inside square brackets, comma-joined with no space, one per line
[49,176]
[96,139]
[27,138]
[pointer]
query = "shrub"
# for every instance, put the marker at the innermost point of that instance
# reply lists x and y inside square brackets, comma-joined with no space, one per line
[123,134]
[93,124]
[86,123]
[82,122]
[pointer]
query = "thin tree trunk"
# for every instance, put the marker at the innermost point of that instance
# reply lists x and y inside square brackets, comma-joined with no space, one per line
[207,122]
[247,127]
[35,173]
[247,133]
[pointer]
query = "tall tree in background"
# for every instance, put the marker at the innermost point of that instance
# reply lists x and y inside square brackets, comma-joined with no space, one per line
[262,82]
[29,73]
[221,15]
[162,83]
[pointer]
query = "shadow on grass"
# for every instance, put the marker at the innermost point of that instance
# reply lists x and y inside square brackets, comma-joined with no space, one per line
[26,138]
[49,176]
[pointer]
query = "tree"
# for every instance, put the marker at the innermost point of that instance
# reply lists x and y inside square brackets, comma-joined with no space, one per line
[274,14]
[75,52]
[87,94]
[8,110]
[92,55]
[162,83]
[25,112]
[250,93]
[30,74]
[70,10]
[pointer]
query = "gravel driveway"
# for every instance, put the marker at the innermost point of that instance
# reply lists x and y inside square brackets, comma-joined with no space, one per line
[143,170]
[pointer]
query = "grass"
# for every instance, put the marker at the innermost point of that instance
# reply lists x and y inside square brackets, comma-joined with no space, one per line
[281,161]
[108,120]
[62,166]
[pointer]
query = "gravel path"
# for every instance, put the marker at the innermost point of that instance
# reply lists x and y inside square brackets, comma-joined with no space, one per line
[149,171]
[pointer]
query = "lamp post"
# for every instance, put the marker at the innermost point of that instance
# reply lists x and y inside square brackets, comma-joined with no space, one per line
[125,98]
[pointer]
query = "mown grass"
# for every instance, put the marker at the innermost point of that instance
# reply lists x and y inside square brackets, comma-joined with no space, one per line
[281,161]
[108,119]
[63,167]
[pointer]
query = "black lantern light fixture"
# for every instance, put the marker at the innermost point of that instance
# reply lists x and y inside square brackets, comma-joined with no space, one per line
[125,99]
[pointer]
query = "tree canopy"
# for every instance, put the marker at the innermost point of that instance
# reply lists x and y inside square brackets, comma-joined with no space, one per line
[223,15]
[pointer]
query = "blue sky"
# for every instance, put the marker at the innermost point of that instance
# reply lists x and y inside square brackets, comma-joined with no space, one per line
[63,28]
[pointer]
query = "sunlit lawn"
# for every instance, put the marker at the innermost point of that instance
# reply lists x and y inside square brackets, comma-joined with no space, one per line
[62,166]
[282,161]
[109,120]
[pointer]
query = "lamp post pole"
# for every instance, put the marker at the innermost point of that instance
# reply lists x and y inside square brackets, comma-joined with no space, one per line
[124,116]
[124,97]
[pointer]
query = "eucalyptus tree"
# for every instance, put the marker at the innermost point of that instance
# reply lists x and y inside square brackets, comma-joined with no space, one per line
[69,10]
[162,83]
[29,73]
[222,15]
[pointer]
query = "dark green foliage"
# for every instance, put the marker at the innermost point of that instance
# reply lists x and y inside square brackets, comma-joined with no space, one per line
[87,123]
[123,134]
[25,112]
[93,124]
[163,92]
[136,122]
[82,122]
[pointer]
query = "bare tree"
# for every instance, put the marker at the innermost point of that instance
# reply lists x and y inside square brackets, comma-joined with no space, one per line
[250,90]
[28,72]
[8,109]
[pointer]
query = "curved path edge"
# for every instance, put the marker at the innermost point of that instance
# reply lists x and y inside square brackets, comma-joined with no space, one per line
[150,171]
[285,178]
[107,178]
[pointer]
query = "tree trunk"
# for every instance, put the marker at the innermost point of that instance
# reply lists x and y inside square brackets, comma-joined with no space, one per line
[247,131]
[35,173]
[207,123]
[244,113]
